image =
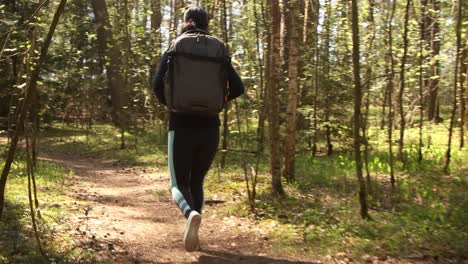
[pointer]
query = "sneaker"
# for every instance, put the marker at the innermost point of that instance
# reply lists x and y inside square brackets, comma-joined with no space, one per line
[192,225]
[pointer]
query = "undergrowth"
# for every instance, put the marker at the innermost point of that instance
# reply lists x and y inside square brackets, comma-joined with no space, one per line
[423,215]
[17,240]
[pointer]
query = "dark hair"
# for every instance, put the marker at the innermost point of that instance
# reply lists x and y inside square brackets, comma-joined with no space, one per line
[195,17]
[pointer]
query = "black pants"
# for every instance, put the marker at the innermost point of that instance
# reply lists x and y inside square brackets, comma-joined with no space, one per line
[190,153]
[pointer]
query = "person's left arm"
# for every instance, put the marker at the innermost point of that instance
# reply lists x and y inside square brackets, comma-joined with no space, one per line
[236,86]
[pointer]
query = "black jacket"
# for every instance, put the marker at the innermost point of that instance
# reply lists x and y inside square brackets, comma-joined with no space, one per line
[236,89]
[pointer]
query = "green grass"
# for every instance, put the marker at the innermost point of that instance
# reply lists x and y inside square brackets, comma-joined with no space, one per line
[325,220]
[425,214]
[17,242]
[143,148]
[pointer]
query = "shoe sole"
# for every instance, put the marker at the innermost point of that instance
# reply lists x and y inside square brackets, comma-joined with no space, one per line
[191,235]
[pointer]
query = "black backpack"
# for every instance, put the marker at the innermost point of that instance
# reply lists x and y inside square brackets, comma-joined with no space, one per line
[196,81]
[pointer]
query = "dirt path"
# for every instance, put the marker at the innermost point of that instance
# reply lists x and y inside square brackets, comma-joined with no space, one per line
[125,215]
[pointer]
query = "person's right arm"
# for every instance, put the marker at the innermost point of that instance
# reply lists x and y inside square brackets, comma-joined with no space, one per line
[158,81]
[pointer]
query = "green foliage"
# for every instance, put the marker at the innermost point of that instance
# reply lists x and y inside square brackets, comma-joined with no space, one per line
[425,214]
[17,243]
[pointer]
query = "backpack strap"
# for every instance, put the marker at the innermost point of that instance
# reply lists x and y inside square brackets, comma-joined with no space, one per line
[197,30]
[199,57]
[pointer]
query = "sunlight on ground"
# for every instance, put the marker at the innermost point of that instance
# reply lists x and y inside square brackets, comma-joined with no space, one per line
[424,215]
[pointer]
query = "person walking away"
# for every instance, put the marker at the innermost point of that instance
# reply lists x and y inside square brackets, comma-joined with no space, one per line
[195,80]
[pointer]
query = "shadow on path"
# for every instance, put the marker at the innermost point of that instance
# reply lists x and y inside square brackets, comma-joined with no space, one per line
[215,257]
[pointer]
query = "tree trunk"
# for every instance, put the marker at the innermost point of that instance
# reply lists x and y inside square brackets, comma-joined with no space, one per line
[357,111]
[174,18]
[285,34]
[463,82]
[293,90]
[455,88]
[365,123]
[35,120]
[263,94]
[274,85]
[110,51]
[262,112]
[421,79]
[316,83]
[307,21]
[30,86]
[433,114]
[31,191]
[390,85]
[226,109]
[401,142]
[156,20]
[327,74]
[384,108]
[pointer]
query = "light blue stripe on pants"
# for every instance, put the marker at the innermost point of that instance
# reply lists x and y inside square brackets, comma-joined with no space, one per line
[177,195]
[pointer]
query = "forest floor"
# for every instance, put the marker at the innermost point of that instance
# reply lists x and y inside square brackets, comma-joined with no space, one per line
[125,215]
[101,204]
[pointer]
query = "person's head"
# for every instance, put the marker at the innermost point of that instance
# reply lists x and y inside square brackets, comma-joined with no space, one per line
[195,18]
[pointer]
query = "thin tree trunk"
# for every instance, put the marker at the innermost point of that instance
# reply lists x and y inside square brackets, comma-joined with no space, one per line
[275,77]
[34,117]
[316,83]
[327,126]
[327,74]
[435,67]
[384,107]
[306,22]
[225,142]
[11,112]
[263,96]
[261,118]
[156,20]
[421,81]
[33,164]
[30,86]
[455,88]
[30,172]
[126,62]
[173,20]
[426,33]
[365,124]
[401,142]
[285,33]
[357,111]
[293,90]
[263,91]
[390,85]
[315,121]
[463,81]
